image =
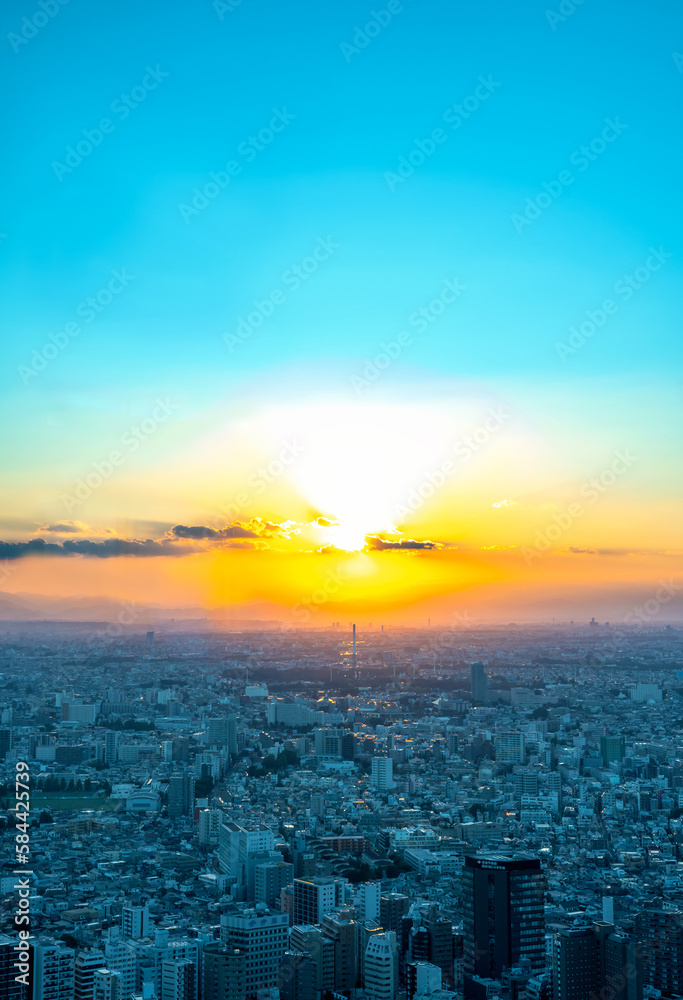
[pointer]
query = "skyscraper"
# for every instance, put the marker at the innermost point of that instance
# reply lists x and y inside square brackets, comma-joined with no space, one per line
[478,683]
[180,794]
[503,916]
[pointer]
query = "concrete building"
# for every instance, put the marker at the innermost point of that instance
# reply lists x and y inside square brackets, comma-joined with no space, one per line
[381,961]
[224,973]
[53,971]
[314,897]
[262,936]
[382,776]
[297,977]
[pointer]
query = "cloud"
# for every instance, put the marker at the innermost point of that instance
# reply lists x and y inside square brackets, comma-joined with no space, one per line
[200,531]
[505,503]
[108,549]
[377,544]
[64,528]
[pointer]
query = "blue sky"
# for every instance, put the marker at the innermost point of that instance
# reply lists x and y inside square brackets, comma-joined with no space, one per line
[324,175]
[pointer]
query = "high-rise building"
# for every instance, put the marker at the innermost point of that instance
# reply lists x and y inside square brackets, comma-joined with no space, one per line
[661,933]
[612,749]
[85,966]
[270,878]
[314,897]
[178,980]
[392,907]
[422,977]
[262,936]
[9,987]
[341,930]
[381,961]
[120,957]
[151,956]
[180,794]
[367,900]
[297,977]
[107,985]
[225,973]
[478,683]
[5,742]
[382,776]
[312,942]
[503,914]
[111,746]
[509,748]
[596,961]
[236,843]
[53,971]
[135,922]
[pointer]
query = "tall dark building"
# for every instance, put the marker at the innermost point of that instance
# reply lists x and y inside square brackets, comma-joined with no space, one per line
[503,918]
[596,961]
[5,742]
[478,683]
[180,794]
[224,975]
[297,977]
[393,906]
[10,989]
[661,933]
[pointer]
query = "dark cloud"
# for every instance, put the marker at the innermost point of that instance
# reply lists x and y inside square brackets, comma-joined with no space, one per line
[377,544]
[108,549]
[200,531]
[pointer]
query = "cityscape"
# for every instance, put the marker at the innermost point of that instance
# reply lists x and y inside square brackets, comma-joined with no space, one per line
[364,813]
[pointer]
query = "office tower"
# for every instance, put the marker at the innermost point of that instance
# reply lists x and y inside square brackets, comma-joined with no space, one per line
[503,915]
[85,966]
[367,900]
[53,971]
[312,942]
[270,878]
[329,742]
[382,776]
[381,960]
[107,985]
[478,683]
[150,642]
[262,936]
[178,980]
[135,922]
[111,747]
[225,973]
[440,931]
[152,955]
[509,748]
[392,907]
[341,930]
[422,977]
[365,930]
[253,861]
[612,749]
[315,897]
[348,745]
[10,989]
[525,782]
[596,961]
[661,933]
[297,977]
[180,795]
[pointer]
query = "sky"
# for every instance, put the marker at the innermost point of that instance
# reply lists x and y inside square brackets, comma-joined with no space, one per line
[330,311]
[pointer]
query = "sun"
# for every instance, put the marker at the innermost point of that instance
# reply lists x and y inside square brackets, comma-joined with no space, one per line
[346,535]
